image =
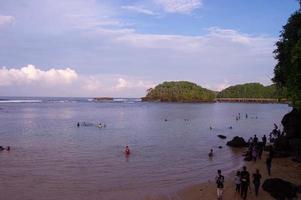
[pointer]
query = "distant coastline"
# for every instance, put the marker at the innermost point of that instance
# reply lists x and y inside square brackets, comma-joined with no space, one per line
[188,92]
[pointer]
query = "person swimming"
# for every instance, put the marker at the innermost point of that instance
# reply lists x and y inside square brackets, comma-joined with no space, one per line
[127,150]
[210,154]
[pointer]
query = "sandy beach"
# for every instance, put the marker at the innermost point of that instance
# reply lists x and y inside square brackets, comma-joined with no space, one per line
[283,168]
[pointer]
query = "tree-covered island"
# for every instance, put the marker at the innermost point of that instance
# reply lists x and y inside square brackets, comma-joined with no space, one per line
[179,91]
[184,91]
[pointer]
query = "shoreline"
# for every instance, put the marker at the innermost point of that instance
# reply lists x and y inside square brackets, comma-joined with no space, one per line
[283,168]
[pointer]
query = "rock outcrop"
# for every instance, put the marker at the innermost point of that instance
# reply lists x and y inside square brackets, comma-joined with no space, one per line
[222,136]
[237,142]
[280,189]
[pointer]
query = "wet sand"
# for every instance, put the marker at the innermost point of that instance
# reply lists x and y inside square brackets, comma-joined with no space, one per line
[281,168]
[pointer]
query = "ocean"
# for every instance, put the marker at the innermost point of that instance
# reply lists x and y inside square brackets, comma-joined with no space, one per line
[52,158]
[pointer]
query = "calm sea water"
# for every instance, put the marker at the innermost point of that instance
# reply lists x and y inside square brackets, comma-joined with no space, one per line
[52,158]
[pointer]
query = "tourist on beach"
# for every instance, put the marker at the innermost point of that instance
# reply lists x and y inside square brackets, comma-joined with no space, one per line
[271,152]
[8,148]
[127,150]
[246,116]
[78,124]
[255,139]
[237,181]
[245,181]
[254,153]
[250,141]
[219,184]
[210,154]
[260,150]
[264,140]
[269,165]
[256,181]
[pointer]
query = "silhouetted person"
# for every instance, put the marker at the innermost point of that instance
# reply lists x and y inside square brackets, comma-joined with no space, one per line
[264,140]
[246,116]
[271,153]
[255,139]
[2,148]
[8,148]
[210,154]
[245,181]
[78,124]
[256,181]
[219,179]
[269,165]
[237,181]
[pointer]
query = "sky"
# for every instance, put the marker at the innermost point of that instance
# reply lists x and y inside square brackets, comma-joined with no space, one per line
[120,48]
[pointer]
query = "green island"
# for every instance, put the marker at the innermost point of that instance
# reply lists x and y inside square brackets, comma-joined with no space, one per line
[179,91]
[252,90]
[184,91]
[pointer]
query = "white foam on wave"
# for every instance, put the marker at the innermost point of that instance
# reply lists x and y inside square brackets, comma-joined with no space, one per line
[21,101]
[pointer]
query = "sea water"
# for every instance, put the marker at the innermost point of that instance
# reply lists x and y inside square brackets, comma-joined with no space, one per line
[52,158]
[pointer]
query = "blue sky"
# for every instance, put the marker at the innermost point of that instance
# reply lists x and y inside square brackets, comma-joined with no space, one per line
[121,48]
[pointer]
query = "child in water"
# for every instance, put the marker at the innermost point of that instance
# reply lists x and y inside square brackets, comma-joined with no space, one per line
[127,150]
[210,154]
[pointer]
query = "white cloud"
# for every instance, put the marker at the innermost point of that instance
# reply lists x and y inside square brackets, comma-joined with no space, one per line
[92,84]
[138,9]
[122,83]
[32,75]
[179,6]
[6,20]
[133,83]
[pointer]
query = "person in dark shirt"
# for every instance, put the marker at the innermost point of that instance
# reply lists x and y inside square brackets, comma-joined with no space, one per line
[256,181]
[255,140]
[264,140]
[245,181]
[269,165]
[219,184]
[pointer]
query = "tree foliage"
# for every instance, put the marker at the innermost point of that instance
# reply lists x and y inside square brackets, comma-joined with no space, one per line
[252,90]
[179,91]
[287,72]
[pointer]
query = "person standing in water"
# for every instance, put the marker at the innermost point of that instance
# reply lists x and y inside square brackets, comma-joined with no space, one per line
[219,184]
[210,154]
[127,150]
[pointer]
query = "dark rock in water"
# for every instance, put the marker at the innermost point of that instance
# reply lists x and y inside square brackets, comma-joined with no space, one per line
[222,136]
[220,147]
[280,189]
[237,142]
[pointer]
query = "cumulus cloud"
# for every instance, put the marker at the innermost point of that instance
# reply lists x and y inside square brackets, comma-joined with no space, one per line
[92,84]
[132,83]
[179,6]
[138,9]
[6,20]
[32,75]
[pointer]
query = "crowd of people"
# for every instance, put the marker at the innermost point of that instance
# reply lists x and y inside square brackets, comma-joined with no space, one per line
[242,179]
